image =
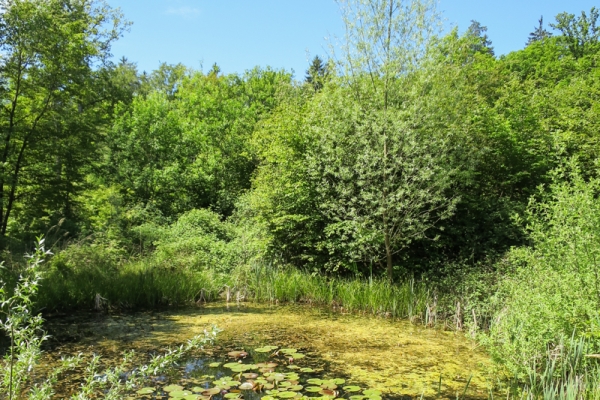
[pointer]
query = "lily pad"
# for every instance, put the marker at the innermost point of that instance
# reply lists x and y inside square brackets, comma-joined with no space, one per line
[146,390]
[211,391]
[237,354]
[269,398]
[374,397]
[329,386]
[198,389]
[284,384]
[231,365]
[232,396]
[179,393]
[352,389]
[246,386]
[357,397]
[214,364]
[172,388]
[287,395]
[315,381]
[241,368]
[313,389]
[338,381]
[250,375]
[328,392]
[307,370]
[293,366]
[371,392]
[295,388]
[296,356]
[263,350]
[287,351]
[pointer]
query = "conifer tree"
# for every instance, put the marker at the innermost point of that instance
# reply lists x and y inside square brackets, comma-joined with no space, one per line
[540,33]
[316,73]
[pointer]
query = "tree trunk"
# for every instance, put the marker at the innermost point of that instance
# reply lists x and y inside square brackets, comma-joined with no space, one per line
[388,256]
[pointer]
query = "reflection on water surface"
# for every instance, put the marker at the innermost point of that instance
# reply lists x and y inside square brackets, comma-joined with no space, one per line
[395,357]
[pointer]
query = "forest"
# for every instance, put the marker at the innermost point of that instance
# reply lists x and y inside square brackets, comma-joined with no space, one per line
[409,174]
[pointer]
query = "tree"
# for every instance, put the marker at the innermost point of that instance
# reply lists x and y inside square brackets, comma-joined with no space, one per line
[316,74]
[540,33]
[579,34]
[380,178]
[49,52]
[484,45]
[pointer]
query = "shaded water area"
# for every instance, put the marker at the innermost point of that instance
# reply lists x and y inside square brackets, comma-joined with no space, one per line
[397,358]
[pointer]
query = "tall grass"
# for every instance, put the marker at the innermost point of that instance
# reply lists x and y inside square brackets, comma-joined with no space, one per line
[84,279]
[403,300]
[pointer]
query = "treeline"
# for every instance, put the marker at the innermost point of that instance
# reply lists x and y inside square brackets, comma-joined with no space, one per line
[409,155]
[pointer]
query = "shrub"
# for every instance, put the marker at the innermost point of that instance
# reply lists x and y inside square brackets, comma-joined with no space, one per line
[552,290]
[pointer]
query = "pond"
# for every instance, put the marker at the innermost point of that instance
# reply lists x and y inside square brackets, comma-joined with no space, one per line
[346,352]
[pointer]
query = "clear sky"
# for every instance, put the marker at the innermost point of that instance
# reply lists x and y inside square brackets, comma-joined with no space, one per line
[240,34]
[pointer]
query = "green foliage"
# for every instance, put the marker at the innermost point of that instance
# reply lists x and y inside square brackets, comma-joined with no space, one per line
[552,290]
[579,34]
[51,106]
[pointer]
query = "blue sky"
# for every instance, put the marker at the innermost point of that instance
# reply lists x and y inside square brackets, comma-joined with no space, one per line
[240,34]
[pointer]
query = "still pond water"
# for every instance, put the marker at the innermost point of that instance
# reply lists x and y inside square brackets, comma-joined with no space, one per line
[396,358]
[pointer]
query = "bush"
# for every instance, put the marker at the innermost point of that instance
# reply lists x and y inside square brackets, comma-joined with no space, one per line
[552,290]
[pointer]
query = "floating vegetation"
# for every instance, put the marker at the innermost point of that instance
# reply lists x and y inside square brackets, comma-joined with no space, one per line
[393,357]
[272,380]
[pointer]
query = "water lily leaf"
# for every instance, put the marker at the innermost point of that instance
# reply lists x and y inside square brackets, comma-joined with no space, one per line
[198,389]
[246,386]
[352,388]
[307,370]
[232,396]
[231,365]
[262,350]
[371,392]
[338,381]
[211,391]
[172,388]
[179,393]
[315,381]
[194,397]
[286,351]
[250,375]
[241,368]
[374,397]
[285,384]
[287,395]
[296,356]
[269,398]
[268,386]
[329,386]
[357,397]
[273,392]
[295,388]
[146,390]
[276,377]
[328,392]
[293,366]
[214,364]
[313,389]
[237,354]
